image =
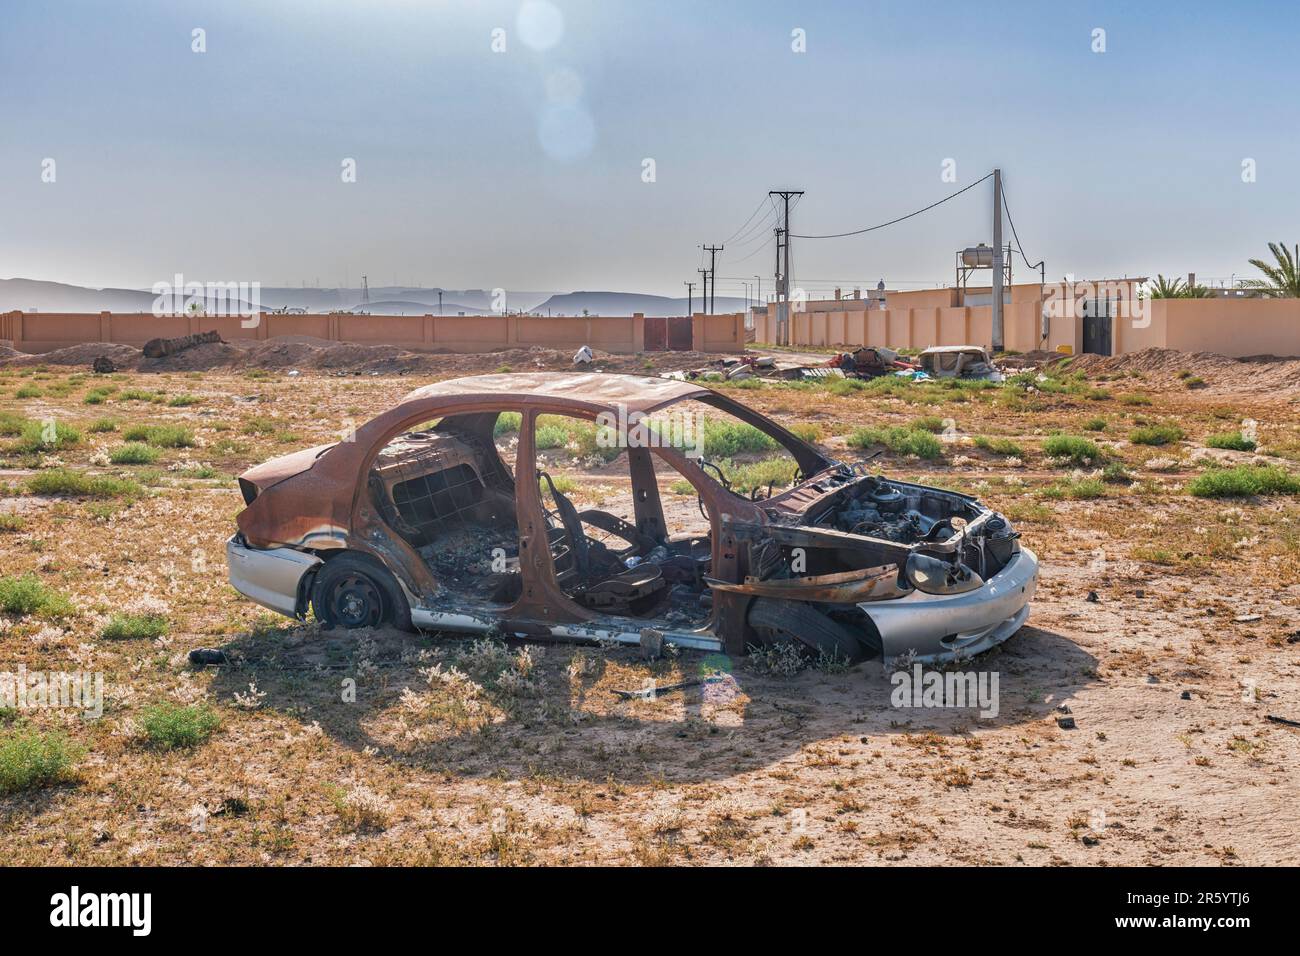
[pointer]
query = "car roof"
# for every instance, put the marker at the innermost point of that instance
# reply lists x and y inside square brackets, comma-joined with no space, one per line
[636,393]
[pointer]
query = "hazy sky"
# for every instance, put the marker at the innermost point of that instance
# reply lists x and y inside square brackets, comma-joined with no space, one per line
[523,169]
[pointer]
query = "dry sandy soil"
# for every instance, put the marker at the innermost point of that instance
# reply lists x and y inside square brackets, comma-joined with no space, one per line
[530,758]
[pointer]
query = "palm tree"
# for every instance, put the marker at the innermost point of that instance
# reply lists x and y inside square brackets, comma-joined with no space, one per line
[1164,288]
[1282,280]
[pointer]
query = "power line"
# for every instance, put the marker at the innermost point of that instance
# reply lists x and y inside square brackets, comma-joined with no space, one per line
[732,237]
[858,232]
[1012,222]
[760,231]
[759,249]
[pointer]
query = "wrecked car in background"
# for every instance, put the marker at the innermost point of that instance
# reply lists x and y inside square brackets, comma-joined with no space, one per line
[417,521]
[960,361]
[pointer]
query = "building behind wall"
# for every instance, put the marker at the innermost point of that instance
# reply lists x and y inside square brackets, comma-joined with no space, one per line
[1069,316]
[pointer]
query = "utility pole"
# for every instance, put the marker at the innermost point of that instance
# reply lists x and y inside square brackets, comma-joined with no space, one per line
[440,302]
[998,338]
[690,297]
[704,295]
[783,269]
[711,290]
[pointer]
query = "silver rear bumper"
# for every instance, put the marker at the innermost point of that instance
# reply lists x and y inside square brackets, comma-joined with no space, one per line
[941,627]
[270,576]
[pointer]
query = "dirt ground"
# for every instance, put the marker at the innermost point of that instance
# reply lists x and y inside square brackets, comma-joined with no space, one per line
[1166,624]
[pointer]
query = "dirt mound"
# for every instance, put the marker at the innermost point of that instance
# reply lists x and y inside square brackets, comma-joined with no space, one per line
[123,356]
[199,358]
[1035,359]
[1172,368]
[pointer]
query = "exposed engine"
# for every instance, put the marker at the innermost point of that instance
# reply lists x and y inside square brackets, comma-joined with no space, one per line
[911,515]
[882,511]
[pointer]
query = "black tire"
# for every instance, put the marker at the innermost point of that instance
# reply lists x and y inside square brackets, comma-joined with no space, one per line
[775,620]
[353,590]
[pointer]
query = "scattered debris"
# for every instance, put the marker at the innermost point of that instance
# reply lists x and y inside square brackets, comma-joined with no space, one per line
[232,806]
[652,643]
[583,356]
[158,348]
[651,691]
[207,656]
[739,373]
[1092,597]
[103,365]
[1065,723]
[1293,637]
[1088,840]
[1064,709]
[1282,720]
[870,362]
[1247,618]
[865,363]
[1186,695]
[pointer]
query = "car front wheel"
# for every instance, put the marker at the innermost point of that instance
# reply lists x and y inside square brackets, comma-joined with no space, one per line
[775,620]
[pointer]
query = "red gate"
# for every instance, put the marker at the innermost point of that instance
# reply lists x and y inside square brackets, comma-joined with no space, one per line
[656,333]
[680,337]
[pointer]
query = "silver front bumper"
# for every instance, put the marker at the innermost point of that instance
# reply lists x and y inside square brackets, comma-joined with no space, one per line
[270,576]
[941,627]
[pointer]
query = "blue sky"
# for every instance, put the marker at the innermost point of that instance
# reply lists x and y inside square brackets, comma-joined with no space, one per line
[523,169]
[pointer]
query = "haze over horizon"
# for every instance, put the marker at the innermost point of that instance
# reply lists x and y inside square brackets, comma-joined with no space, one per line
[523,169]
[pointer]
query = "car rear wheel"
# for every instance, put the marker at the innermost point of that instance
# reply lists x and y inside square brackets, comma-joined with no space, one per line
[351,591]
[775,620]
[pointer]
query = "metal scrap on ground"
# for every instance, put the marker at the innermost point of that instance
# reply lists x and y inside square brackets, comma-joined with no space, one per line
[865,362]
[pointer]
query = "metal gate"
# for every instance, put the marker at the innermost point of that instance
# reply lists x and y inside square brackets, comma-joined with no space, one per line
[673,333]
[680,333]
[656,333]
[1097,326]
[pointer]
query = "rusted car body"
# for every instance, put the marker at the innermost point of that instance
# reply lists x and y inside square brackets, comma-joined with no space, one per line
[366,531]
[959,361]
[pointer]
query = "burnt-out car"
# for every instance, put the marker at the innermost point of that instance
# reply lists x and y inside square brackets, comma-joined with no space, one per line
[417,520]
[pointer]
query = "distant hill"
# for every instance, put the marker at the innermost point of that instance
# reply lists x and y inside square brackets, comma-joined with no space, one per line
[625,303]
[408,299]
[410,307]
[28,294]
[38,295]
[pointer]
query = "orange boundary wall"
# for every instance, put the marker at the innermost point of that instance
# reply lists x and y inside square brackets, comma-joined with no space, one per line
[1233,327]
[39,332]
